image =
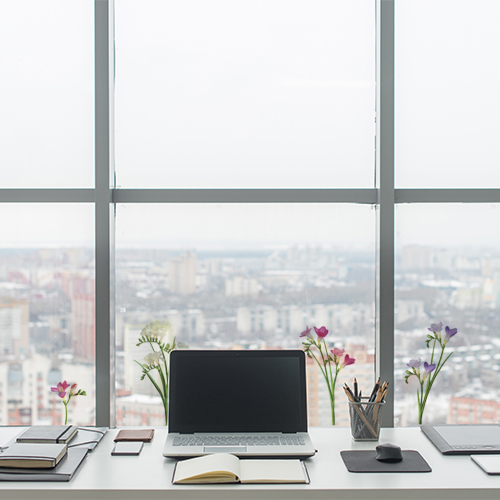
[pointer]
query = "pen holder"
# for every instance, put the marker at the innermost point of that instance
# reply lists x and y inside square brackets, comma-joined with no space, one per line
[365,419]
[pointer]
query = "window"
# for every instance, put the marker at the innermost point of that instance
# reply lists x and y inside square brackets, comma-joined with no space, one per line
[242,169]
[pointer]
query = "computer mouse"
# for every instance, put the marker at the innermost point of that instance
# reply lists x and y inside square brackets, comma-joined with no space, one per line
[389,453]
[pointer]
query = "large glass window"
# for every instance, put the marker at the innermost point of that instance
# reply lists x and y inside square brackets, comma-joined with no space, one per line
[448,270]
[260,94]
[47,312]
[447,100]
[240,276]
[253,93]
[47,93]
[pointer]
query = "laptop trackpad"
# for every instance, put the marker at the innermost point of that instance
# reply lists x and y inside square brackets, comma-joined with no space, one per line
[225,449]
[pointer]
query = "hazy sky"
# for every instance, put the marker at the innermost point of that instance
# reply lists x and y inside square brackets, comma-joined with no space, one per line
[250,93]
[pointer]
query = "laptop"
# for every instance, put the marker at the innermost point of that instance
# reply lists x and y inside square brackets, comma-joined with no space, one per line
[251,403]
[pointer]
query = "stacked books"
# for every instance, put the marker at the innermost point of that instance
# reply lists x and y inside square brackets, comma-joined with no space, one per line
[24,455]
[41,453]
[48,434]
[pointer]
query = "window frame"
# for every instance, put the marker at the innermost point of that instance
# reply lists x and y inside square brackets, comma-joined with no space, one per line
[384,196]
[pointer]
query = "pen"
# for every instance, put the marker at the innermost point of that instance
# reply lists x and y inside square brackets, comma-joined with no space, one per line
[374,391]
[348,389]
[356,389]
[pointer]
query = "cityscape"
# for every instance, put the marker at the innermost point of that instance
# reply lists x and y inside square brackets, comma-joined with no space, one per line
[247,299]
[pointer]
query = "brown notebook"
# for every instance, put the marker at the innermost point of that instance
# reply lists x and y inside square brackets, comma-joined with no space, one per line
[145,435]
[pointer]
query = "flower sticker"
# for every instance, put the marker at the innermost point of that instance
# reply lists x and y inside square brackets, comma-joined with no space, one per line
[152,358]
[430,370]
[321,332]
[61,390]
[330,362]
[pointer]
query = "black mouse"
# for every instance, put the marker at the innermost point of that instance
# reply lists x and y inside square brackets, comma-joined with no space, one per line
[389,453]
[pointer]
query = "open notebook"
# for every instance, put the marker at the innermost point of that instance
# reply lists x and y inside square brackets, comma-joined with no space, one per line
[248,403]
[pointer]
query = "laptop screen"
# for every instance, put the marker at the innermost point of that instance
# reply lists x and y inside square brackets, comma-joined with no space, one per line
[237,391]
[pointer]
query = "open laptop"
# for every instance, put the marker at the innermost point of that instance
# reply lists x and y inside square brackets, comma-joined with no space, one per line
[249,403]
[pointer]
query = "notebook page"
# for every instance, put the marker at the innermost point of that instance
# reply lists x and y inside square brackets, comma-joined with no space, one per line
[204,465]
[272,471]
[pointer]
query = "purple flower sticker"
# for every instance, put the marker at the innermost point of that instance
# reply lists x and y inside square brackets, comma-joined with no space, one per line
[436,327]
[449,332]
[427,370]
[414,363]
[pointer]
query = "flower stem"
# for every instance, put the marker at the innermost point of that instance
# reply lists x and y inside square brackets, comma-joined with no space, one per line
[327,374]
[65,412]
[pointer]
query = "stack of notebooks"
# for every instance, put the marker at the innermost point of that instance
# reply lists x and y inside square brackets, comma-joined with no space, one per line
[41,453]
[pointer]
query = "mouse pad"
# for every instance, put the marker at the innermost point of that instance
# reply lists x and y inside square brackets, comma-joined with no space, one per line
[365,461]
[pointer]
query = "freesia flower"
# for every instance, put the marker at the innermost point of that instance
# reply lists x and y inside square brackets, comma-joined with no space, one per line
[414,363]
[306,333]
[427,369]
[60,389]
[321,332]
[152,358]
[430,370]
[154,333]
[330,362]
[156,329]
[337,353]
[347,361]
[436,327]
[61,392]
[449,332]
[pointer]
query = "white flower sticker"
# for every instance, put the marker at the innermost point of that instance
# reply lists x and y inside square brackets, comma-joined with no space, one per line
[152,358]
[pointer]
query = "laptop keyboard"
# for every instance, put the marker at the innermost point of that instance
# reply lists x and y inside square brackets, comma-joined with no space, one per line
[238,440]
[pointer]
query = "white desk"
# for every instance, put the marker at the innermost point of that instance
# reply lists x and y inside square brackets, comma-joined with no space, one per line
[148,476]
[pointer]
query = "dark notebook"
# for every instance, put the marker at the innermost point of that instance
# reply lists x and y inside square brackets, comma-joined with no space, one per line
[63,471]
[48,434]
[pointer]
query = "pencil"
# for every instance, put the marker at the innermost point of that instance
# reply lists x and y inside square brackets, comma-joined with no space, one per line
[374,391]
[347,388]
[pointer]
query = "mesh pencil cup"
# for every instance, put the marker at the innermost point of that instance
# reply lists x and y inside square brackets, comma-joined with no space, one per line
[365,419]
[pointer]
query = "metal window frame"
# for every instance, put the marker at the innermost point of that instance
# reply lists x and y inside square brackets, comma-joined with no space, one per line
[104,196]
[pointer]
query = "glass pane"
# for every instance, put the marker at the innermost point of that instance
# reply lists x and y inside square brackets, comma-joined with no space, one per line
[236,276]
[47,93]
[448,270]
[447,99]
[253,93]
[46,312]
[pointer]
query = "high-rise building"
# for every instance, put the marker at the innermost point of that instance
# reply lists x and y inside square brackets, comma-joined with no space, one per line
[182,274]
[14,327]
[83,326]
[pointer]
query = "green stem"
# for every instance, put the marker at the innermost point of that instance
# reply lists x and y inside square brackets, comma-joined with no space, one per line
[431,379]
[66,412]
[419,401]
[332,399]
[153,382]
[327,374]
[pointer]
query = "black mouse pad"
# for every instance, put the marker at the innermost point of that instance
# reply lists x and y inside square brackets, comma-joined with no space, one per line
[365,461]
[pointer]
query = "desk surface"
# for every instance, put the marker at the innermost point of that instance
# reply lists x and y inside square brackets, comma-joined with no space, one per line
[149,475]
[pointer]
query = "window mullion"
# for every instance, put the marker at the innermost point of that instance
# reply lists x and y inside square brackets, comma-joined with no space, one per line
[385,157]
[104,218]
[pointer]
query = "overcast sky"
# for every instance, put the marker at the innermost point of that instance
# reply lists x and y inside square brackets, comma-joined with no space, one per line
[250,93]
